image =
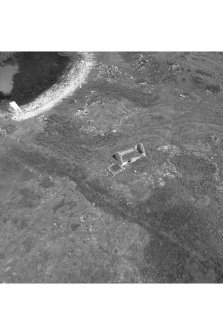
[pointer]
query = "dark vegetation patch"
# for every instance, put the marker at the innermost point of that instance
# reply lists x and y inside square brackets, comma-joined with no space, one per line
[218,270]
[140,165]
[175,265]
[180,247]
[28,244]
[169,261]
[170,78]
[198,82]
[201,186]
[75,226]
[20,223]
[3,99]
[46,182]
[37,72]
[63,136]
[2,255]
[28,198]
[27,174]
[194,165]
[214,88]
[205,84]
[100,186]
[204,73]
[46,163]
[59,205]
[7,58]
[10,164]
[213,140]
[135,95]
[130,57]
[116,91]
[181,220]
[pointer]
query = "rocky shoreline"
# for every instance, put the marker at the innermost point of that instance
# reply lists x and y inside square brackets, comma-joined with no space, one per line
[70,81]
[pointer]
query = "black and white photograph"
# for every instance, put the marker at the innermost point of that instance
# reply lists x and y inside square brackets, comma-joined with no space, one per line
[111,167]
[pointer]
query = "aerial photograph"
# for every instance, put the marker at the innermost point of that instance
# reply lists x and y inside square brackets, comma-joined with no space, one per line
[111,167]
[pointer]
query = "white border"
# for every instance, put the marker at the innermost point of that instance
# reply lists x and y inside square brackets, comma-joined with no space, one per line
[111,309]
[100,25]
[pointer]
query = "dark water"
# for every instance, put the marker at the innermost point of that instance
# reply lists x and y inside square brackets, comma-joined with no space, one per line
[34,73]
[7,72]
